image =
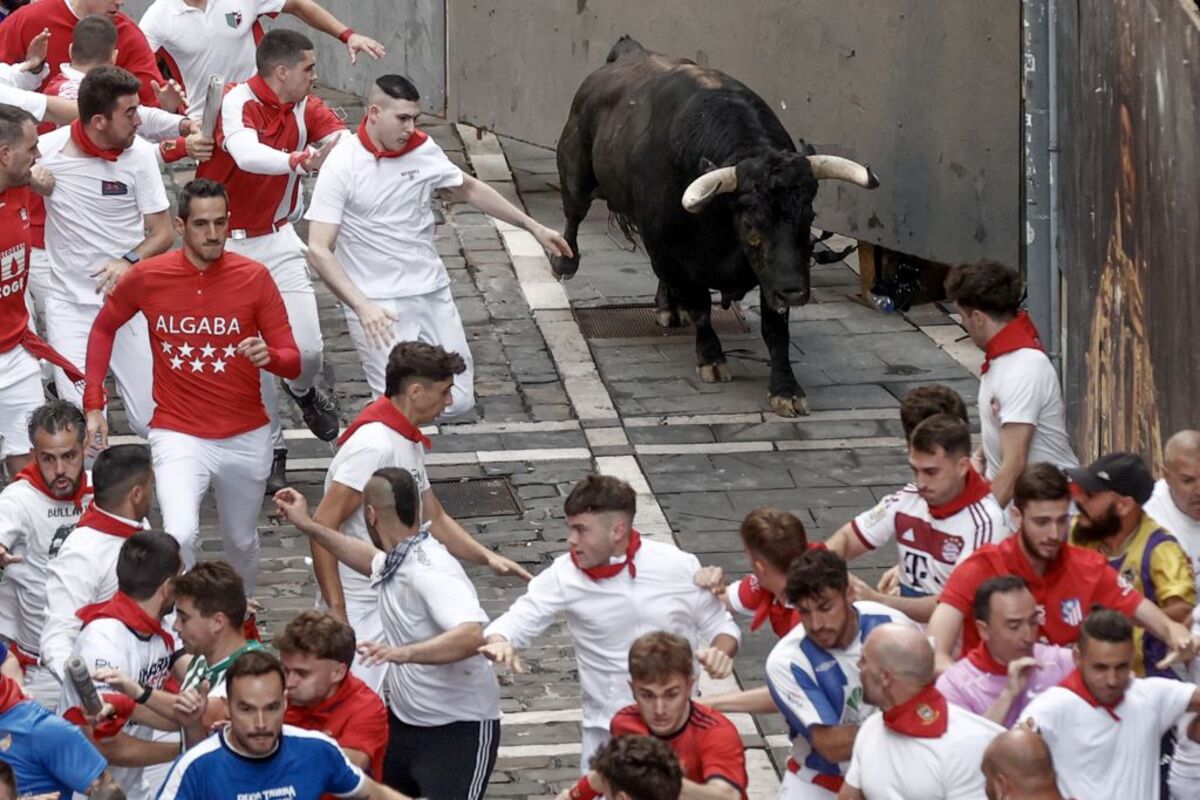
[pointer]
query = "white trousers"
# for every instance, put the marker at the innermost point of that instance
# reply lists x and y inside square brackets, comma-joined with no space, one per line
[283,254]
[793,787]
[593,740]
[368,627]
[236,467]
[20,395]
[431,318]
[42,685]
[68,326]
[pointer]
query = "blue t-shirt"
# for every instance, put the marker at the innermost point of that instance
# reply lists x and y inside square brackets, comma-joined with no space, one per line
[304,766]
[47,753]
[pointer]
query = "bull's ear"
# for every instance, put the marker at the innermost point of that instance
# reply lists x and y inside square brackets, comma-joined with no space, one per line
[706,165]
[805,148]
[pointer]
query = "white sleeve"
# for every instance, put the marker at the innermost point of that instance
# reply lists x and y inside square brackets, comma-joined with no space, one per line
[12,75]
[150,27]
[449,598]
[356,469]
[854,771]
[533,611]
[1042,711]
[151,193]
[711,616]
[14,521]
[1022,395]
[328,203]
[71,582]
[32,102]
[877,526]
[1172,700]
[446,174]
[241,141]
[268,7]
[158,125]
[801,707]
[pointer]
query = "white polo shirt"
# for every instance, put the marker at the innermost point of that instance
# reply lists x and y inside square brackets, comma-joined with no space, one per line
[386,241]
[427,595]
[35,527]
[198,42]
[1022,387]
[886,765]
[1098,756]
[604,618]
[95,213]
[1179,524]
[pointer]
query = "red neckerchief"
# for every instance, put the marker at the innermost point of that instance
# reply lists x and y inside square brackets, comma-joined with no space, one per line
[40,348]
[122,607]
[1074,682]
[982,659]
[123,707]
[609,570]
[976,489]
[266,95]
[98,520]
[91,148]
[1016,335]
[10,694]
[382,410]
[32,474]
[924,716]
[315,718]
[416,140]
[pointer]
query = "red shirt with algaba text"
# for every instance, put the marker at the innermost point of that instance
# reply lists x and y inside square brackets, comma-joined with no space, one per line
[202,385]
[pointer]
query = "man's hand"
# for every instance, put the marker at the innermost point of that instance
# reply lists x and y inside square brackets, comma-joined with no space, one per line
[97,430]
[255,349]
[1020,670]
[716,663]
[7,558]
[373,653]
[503,653]
[199,146]
[889,582]
[109,274]
[120,682]
[41,180]
[376,323]
[171,96]
[551,241]
[1182,643]
[711,579]
[292,506]
[189,706]
[506,566]
[861,589]
[358,43]
[35,54]
[319,154]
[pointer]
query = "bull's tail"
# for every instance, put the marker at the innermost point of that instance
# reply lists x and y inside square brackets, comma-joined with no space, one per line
[627,226]
[626,44]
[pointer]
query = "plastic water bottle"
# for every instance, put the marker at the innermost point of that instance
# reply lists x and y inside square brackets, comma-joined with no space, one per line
[882,302]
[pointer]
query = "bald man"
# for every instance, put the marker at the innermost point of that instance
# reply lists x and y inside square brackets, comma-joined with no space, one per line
[1175,503]
[1017,766]
[919,745]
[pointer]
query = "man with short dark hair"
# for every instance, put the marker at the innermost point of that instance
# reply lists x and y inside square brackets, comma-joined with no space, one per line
[1017,765]
[213,321]
[1009,667]
[266,134]
[372,201]
[937,521]
[638,768]
[387,434]
[317,650]
[257,755]
[612,587]
[38,511]
[1021,411]
[1109,494]
[925,401]
[1103,724]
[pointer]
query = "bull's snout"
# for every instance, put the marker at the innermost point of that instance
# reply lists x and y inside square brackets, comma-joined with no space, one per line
[797,296]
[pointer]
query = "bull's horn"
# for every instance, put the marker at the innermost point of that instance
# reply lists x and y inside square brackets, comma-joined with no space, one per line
[708,186]
[843,169]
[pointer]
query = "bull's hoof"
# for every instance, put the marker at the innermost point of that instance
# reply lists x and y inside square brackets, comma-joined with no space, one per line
[672,318]
[564,268]
[789,405]
[715,373]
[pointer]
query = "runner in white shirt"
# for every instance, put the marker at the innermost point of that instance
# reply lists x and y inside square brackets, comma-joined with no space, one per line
[199,38]
[387,434]
[372,201]
[85,570]
[1175,504]
[946,514]
[612,587]
[918,745]
[38,510]
[123,636]
[812,673]
[1104,726]
[442,695]
[107,212]
[1021,411]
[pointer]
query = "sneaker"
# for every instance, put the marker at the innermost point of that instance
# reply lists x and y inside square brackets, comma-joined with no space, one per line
[320,412]
[278,477]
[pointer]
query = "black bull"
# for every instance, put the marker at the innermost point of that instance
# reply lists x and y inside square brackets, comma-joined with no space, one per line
[702,168]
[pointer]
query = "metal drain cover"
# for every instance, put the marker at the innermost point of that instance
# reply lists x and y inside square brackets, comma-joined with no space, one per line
[637,321]
[477,497]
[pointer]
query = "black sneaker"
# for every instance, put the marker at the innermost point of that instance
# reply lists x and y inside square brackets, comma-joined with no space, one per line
[278,477]
[320,412]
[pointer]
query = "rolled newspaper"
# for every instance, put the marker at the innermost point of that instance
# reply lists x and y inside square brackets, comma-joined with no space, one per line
[212,104]
[77,674]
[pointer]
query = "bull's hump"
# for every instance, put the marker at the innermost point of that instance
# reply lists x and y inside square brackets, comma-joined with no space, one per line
[703,77]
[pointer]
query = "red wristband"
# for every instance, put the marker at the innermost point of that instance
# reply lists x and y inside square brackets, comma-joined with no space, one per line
[346,34]
[583,790]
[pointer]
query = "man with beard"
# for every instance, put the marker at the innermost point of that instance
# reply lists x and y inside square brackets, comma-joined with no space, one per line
[1065,580]
[813,673]
[1109,494]
[38,511]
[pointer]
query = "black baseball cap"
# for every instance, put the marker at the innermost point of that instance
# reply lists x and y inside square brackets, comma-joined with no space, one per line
[1123,473]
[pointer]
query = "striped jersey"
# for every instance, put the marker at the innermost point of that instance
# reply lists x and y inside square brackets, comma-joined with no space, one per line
[199,670]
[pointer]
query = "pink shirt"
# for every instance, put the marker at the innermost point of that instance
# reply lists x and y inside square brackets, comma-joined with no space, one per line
[974,689]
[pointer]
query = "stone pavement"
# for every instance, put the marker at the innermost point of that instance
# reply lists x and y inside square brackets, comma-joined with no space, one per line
[554,406]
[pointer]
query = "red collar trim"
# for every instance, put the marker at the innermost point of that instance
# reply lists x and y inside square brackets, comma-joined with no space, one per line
[32,474]
[416,140]
[100,520]
[976,489]
[266,95]
[122,607]
[1074,682]
[89,147]
[1016,335]
[924,716]
[10,694]
[611,570]
[982,659]
[382,410]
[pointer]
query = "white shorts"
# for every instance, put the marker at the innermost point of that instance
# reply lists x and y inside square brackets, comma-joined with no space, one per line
[20,394]
[368,627]
[432,318]
[593,740]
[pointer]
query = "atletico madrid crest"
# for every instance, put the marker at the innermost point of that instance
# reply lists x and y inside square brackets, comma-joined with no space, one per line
[1072,612]
[234,18]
